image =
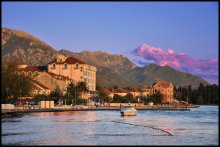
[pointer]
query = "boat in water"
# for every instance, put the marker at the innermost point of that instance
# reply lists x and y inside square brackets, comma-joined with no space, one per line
[128,111]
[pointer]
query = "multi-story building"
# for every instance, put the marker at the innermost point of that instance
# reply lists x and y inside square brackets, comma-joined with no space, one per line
[121,92]
[60,73]
[166,89]
[74,69]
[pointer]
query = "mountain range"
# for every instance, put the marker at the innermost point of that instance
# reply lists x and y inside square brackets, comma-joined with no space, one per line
[112,69]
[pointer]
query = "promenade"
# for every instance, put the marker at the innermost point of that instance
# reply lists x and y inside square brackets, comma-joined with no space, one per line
[180,108]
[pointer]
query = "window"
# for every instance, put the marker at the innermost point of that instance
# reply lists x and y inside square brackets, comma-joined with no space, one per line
[65,66]
[77,65]
[54,66]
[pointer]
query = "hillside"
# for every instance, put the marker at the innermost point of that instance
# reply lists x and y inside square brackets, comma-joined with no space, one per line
[112,70]
[20,45]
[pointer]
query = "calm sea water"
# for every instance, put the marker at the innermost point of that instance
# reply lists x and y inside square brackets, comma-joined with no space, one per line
[199,126]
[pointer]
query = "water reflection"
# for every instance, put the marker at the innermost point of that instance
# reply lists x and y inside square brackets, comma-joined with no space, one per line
[109,128]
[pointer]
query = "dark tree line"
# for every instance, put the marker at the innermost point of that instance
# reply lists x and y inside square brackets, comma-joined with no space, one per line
[13,84]
[202,95]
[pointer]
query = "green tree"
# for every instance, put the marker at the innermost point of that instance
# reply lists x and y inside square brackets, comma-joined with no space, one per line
[129,98]
[199,100]
[155,98]
[117,98]
[72,95]
[82,87]
[14,84]
[56,94]
[104,96]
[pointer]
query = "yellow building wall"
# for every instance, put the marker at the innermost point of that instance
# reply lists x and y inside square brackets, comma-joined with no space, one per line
[50,82]
[82,72]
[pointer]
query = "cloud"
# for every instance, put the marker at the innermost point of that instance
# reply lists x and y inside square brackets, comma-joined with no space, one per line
[204,68]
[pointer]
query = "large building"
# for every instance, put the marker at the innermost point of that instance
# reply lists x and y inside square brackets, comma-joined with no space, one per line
[74,69]
[165,88]
[60,73]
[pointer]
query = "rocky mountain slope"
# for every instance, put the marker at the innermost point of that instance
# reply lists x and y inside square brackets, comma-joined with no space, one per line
[23,46]
[112,70]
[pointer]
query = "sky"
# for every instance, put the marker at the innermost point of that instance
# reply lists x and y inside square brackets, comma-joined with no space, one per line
[183,35]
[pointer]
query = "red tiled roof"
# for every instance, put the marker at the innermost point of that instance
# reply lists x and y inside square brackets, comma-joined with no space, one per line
[69,60]
[59,77]
[135,90]
[32,68]
[120,91]
[163,84]
[36,87]
[29,68]
[39,84]
[106,90]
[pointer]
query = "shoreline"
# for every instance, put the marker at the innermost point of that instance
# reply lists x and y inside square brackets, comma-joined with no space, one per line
[10,111]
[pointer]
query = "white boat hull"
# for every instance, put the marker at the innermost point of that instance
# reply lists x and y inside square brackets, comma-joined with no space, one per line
[128,112]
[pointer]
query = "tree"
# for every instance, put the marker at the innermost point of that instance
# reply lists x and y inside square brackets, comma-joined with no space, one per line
[82,87]
[104,96]
[14,84]
[129,98]
[57,92]
[73,92]
[155,98]
[199,100]
[117,98]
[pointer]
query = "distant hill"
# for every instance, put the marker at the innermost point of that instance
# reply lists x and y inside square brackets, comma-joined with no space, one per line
[152,72]
[112,70]
[23,46]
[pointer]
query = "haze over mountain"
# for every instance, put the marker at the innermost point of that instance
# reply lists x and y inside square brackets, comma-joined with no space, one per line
[112,70]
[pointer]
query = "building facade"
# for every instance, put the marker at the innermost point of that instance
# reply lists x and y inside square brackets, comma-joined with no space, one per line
[60,73]
[74,69]
[166,89]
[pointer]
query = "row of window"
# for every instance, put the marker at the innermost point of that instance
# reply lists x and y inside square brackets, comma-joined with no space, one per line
[161,90]
[86,73]
[91,87]
[87,80]
[65,66]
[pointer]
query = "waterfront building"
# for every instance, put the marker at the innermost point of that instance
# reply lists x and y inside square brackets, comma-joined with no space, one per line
[108,92]
[147,91]
[136,92]
[39,88]
[120,91]
[74,69]
[166,89]
[60,73]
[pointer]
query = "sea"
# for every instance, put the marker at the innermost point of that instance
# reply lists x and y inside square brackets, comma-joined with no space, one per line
[198,126]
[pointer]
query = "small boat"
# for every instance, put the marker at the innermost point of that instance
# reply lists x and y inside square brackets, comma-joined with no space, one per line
[128,111]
